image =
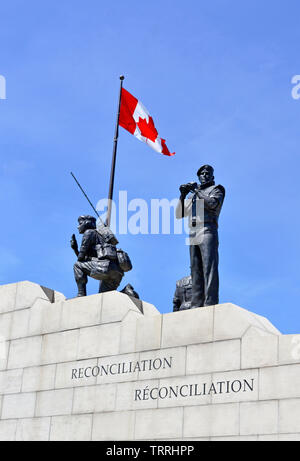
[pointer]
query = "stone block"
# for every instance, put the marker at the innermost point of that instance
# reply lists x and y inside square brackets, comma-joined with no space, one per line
[71,428]
[4,349]
[99,341]
[159,424]
[18,405]
[25,352]
[236,438]
[259,417]
[81,312]
[60,347]
[148,333]
[289,437]
[211,420]
[187,327]
[5,326]
[53,403]
[259,348]
[45,317]
[279,382]
[8,297]
[8,430]
[289,349]
[128,333]
[118,425]
[214,356]
[38,378]
[11,381]
[268,438]
[33,429]
[19,324]
[289,419]
[95,399]
[74,374]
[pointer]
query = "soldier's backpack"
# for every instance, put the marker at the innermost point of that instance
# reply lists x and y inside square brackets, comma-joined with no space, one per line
[107,234]
[106,251]
[124,260]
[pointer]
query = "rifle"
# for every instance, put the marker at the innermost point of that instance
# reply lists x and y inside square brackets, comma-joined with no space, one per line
[104,230]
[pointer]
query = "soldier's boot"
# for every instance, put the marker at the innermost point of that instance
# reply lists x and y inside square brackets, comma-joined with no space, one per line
[81,289]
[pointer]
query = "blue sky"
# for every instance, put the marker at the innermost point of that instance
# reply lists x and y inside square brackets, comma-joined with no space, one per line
[216,77]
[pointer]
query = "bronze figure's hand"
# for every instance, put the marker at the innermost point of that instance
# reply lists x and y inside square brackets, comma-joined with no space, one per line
[73,242]
[183,190]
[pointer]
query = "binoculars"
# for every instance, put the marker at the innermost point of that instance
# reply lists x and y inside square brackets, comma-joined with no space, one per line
[188,187]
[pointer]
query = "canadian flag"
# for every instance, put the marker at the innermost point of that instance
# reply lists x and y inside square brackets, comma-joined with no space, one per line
[135,118]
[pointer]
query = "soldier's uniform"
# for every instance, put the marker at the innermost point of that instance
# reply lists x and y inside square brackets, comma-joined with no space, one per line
[183,294]
[88,264]
[204,242]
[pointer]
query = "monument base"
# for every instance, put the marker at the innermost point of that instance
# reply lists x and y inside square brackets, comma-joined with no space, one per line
[110,367]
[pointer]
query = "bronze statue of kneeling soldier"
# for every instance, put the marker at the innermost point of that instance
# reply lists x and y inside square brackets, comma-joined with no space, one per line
[98,257]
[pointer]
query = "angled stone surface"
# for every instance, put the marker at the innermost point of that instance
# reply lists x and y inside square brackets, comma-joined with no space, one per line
[28,292]
[22,295]
[115,306]
[44,317]
[231,321]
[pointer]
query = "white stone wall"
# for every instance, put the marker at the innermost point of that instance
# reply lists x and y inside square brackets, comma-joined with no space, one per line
[68,371]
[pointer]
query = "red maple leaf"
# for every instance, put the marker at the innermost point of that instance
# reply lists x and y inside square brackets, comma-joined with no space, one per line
[148,130]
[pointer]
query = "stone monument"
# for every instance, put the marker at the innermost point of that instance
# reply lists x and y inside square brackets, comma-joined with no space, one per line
[111,367]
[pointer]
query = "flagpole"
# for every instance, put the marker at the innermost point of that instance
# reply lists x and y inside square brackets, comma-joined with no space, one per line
[113,162]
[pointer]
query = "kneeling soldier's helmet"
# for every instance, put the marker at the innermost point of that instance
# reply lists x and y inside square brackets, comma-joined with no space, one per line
[86,222]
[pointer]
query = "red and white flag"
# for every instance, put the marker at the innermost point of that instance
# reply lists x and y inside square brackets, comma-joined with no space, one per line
[135,118]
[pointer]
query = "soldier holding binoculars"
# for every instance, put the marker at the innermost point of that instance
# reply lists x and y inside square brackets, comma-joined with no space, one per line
[204,240]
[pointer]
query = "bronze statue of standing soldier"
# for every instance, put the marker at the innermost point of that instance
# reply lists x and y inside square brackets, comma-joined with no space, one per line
[204,240]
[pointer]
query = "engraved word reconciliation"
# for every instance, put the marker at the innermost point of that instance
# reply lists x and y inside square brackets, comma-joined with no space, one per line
[122,367]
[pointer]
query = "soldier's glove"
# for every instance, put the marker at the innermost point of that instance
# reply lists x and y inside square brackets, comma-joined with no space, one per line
[81,257]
